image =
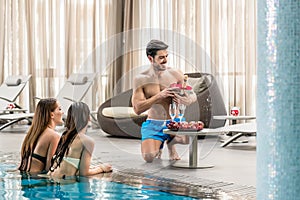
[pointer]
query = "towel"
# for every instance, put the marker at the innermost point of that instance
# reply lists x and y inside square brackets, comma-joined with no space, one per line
[78,79]
[13,81]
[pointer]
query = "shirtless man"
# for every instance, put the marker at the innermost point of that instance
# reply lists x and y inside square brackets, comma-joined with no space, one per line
[152,93]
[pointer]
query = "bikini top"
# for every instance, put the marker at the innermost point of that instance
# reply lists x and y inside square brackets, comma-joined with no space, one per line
[40,158]
[72,161]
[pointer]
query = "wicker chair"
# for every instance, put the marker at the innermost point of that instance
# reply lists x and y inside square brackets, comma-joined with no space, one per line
[209,103]
[121,127]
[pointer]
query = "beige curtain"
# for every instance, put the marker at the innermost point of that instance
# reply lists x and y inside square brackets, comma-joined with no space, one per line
[114,46]
[233,51]
[217,37]
[51,39]
[13,46]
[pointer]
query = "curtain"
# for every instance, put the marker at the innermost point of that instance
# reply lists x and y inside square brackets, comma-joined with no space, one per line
[52,39]
[233,51]
[14,47]
[217,37]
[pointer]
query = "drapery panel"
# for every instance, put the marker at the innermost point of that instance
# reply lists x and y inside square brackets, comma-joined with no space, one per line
[233,51]
[52,39]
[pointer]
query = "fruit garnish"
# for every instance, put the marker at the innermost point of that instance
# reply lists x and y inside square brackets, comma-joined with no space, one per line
[186,126]
[178,85]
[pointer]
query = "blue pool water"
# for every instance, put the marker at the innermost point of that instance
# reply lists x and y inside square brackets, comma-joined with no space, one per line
[13,186]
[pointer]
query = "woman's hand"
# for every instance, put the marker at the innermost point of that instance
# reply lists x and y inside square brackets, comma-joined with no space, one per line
[105,167]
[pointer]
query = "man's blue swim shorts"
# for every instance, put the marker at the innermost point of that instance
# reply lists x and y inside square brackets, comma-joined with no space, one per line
[153,129]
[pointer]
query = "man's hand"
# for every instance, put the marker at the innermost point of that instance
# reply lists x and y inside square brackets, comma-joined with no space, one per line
[186,99]
[165,93]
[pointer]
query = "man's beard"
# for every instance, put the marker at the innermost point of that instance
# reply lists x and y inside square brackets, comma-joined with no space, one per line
[160,67]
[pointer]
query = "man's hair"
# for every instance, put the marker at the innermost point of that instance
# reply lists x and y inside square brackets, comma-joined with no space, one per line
[155,45]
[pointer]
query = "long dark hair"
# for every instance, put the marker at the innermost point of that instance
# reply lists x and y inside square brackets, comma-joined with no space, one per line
[77,119]
[41,120]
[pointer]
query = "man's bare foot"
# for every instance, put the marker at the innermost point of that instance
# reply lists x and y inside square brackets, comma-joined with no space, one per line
[180,139]
[159,154]
[173,155]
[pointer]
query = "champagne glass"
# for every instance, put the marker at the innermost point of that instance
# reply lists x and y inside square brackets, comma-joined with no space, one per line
[181,109]
[172,110]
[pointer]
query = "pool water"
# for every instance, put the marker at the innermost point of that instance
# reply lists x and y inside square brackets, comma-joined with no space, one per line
[13,186]
[127,183]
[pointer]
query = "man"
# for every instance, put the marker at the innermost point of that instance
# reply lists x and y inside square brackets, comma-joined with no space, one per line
[152,92]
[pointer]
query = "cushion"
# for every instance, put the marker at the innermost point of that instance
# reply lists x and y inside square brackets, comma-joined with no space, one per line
[13,81]
[199,84]
[78,79]
[120,112]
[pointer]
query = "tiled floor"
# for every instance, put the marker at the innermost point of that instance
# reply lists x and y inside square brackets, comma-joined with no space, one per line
[234,168]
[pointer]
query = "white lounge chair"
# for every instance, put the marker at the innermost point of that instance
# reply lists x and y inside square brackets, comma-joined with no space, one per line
[240,130]
[74,90]
[11,89]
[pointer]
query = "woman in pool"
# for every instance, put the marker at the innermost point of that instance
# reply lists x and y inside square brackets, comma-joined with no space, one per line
[74,152]
[41,140]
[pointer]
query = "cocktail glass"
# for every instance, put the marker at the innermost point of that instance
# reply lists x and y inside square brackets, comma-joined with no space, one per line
[172,110]
[181,110]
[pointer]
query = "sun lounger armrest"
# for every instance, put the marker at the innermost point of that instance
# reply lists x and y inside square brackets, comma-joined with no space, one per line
[15,104]
[69,99]
[6,99]
[37,98]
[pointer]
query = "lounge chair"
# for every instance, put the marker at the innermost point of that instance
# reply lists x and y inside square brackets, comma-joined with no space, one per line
[209,100]
[122,122]
[74,90]
[247,129]
[11,89]
[116,117]
[210,107]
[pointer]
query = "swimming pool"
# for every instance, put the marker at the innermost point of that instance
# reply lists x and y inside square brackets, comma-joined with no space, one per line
[116,185]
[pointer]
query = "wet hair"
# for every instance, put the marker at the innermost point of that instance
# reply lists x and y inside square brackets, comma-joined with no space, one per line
[77,119]
[40,121]
[155,45]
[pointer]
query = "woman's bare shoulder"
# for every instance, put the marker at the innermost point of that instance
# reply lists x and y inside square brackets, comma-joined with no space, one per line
[51,134]
[87,142]
[85,139]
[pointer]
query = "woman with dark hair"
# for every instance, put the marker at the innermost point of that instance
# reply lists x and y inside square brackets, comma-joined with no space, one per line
[74,151]
[41,140]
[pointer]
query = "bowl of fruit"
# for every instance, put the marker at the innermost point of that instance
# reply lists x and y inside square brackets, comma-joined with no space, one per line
[178,86]
[185,126]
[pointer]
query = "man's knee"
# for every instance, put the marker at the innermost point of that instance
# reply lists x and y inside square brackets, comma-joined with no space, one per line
[149,157]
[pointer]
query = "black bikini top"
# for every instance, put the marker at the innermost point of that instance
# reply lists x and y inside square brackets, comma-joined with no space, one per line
[40,158]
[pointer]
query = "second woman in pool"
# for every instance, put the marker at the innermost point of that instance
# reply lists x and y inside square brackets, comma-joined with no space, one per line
[74,151]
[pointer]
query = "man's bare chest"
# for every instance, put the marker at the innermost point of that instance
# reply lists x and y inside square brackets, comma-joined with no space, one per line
[154,85]
[152,89]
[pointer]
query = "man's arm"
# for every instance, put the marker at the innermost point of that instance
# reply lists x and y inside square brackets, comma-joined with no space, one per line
[139,102]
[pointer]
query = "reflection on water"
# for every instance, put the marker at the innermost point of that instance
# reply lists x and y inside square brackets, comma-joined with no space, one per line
[116,185]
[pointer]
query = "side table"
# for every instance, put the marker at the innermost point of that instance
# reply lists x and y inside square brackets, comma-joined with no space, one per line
[193,148]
